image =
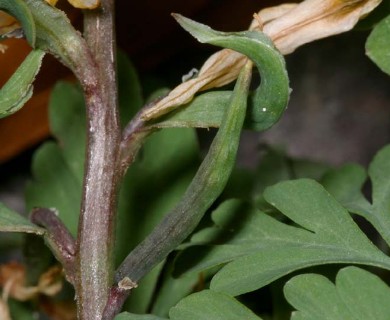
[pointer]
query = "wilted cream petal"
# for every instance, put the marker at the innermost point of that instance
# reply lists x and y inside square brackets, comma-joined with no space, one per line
[268,14]
[220,69]
[289,25]
[316,19]
[85,4]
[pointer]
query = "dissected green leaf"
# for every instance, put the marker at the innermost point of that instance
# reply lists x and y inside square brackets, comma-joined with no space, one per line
[67,124]
[19,10]
[58,168]
[172,290]
[11,221]
[329,236]
[378,46]
[18,89]
[54,185]
[346,185]
[263,249]
[132,316]
[204,305]
[357,295]
[276,166]
[207,304]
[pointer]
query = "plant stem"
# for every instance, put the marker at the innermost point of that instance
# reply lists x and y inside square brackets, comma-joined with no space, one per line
[97,218]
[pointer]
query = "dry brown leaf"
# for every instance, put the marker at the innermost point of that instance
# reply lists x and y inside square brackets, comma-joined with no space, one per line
[289,25]
[13,280]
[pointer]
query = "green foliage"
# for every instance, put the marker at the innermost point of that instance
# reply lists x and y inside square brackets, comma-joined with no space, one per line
[279,225]
[356,295]
[271,97]
[18,89]
[204,305]
[261,249]
[58,167]
[152,186]
[346,185]
[11,221]
[378,47]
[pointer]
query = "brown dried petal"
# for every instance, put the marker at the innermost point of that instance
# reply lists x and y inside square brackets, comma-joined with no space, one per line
[288,25]
[316,19]
[50,283]
[13,279]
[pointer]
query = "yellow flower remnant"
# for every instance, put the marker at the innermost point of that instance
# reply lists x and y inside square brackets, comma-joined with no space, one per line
[288,25]
[8,24]
[85,4]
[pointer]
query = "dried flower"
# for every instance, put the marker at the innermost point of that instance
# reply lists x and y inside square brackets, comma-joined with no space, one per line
[288,25]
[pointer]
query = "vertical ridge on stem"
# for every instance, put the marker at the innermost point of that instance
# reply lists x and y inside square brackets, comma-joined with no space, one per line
[96,229]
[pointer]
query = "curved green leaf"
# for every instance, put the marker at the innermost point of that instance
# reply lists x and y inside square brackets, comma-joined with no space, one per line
[18,89]
[19,10]
[11,221]
[378,45]
[206,186]
[271,97]
[357,295]
[207,305]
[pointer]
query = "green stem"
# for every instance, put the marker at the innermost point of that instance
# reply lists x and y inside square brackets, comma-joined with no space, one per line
[96,227]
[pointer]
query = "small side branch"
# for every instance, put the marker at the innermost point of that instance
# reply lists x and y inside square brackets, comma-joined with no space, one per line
[58,238]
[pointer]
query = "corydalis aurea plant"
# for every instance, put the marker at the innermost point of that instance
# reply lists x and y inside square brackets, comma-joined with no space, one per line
[288,25]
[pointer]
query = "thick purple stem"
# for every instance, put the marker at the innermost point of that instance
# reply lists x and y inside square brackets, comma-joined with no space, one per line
[97,218]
